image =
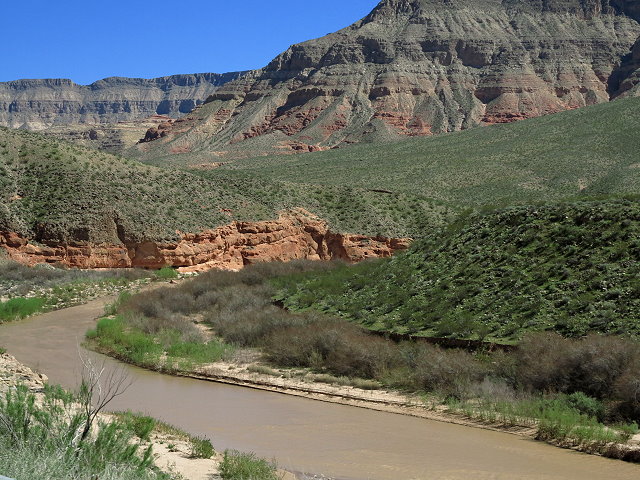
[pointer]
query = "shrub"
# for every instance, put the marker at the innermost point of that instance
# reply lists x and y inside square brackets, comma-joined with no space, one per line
[166,273]
[38,440]
[140,425]
[586,405]
[201,448]
[331,344]
[450,373]
[592,365]
[113,308]
[246,466]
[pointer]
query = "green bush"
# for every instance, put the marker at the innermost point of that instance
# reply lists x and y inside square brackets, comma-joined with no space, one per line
[39,440]
[246,466]
[586,405]
[166,273]
[201,448]
[140,425]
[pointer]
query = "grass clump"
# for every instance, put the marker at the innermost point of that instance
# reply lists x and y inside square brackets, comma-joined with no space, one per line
[201,448]
[17,308]
[246,466]
[140,425]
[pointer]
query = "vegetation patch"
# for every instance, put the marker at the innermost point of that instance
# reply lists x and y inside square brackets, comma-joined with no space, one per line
[169,344]
[585,389]
[574,154]
[246,466]
[18,308]
[39,439]
[201,448]
[572,268]
[31,290]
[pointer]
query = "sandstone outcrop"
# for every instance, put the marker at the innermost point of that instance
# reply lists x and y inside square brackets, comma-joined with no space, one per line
[417,67]
[40,104]
[294,235]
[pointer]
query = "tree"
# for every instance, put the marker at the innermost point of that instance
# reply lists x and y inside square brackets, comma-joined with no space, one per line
[100,385]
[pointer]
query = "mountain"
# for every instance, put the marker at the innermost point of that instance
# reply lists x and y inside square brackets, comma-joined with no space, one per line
[413,68]
[591,151]
[39,104]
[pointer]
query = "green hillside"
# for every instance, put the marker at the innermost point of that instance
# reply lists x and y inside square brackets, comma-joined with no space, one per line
[588,151]
[571,267]
[58,192]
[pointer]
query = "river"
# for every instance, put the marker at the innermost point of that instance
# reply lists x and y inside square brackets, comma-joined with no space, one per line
[304,435]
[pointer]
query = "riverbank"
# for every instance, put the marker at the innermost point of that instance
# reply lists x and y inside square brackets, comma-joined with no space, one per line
[304,435]
[172,448]
[223,327]
[551,419]
[295,383]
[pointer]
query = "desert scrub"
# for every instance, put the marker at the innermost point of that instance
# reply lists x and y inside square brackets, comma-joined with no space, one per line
[246,466]
[17,280]
[570,267]
[38,440]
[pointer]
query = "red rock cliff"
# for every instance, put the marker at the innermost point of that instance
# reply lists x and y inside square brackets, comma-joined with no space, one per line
[294,235]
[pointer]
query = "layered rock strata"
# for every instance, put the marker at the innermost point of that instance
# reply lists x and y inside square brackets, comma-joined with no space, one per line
[40,104]
[294,235]
[416,67]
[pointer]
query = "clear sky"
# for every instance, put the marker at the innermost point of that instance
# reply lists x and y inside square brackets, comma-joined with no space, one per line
[91,39]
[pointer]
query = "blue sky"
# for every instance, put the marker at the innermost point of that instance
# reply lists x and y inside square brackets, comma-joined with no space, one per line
[88,40]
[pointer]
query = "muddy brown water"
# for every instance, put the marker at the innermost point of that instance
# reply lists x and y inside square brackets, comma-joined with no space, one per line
[306,435]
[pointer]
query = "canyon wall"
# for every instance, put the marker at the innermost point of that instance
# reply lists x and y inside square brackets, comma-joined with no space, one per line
[294,235]
[40,104]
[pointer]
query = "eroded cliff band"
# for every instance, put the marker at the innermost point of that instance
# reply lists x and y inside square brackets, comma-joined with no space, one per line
[294,235]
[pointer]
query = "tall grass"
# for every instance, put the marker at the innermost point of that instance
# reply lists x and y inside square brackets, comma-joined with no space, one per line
[553,416]
[246,466]
[17,308]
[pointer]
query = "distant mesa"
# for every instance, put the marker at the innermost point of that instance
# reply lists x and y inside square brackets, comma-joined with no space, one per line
[46,103]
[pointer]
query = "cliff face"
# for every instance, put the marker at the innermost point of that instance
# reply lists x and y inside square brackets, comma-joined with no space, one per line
[39,104]
[294,235]
[418,67]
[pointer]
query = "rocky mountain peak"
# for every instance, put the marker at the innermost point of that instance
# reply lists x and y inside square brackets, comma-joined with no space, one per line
[418,67]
